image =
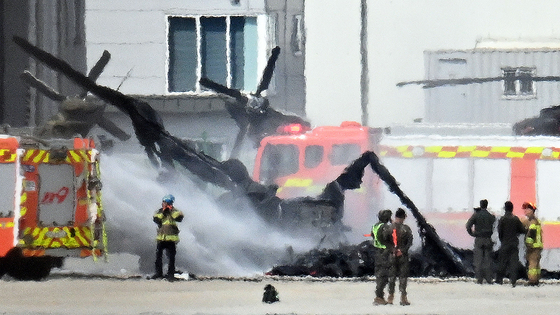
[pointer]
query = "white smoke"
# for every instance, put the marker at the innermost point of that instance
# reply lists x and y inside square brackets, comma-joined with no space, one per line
[214,241]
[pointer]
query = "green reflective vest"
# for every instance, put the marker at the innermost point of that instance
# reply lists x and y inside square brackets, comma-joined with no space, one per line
[374,230]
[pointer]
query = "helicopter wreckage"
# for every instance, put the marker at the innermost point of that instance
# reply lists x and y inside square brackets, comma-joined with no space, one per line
[252,114]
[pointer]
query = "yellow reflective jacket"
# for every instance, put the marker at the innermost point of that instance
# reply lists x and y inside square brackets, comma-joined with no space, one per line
[533,238]
[167,224]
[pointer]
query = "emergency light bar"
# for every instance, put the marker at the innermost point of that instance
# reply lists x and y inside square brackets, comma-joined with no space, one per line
[292,129]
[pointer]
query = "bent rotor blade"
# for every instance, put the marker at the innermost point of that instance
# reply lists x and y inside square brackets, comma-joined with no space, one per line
[428,84]
[95,72]
[436,83]
[147,124]
[41,86]
[268,70]
[217,87]
[123,102]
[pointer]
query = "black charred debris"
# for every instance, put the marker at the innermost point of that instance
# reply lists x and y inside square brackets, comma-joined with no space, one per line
[356,261]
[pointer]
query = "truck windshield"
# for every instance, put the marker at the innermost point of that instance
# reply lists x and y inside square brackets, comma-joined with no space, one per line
[343,154]
[277,161]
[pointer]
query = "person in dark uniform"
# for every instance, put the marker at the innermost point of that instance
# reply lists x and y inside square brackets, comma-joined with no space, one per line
[401,238]
[483,223]
[509,229]
[381,255]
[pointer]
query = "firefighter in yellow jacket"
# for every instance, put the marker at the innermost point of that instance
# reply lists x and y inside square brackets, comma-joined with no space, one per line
[167,238]
[533,243]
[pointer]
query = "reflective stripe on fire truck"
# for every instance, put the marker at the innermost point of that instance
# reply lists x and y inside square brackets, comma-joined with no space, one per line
[7,225]
[7,156]
[97,220]
[43,156]
[495,152]
[23,201]
[309,186]
[56,237]
[298,182]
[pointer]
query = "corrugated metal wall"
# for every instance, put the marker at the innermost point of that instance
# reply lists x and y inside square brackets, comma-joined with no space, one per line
[485,102]
[57,27]
[289,72]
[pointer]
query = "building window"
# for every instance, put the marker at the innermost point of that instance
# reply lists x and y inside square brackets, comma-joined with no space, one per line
[221,48]
[518,82]
[297,35]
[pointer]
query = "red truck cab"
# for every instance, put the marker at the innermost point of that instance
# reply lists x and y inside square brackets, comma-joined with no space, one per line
[301,162]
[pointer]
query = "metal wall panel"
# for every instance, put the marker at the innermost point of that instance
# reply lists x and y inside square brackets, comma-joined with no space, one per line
[485,102]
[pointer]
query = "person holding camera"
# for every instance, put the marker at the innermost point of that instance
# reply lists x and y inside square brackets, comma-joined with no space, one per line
[167,237]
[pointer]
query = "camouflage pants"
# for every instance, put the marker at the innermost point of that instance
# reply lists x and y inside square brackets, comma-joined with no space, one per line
[382,270]
[399,269]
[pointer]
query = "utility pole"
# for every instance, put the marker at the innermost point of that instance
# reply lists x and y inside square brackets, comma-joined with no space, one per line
[364,79]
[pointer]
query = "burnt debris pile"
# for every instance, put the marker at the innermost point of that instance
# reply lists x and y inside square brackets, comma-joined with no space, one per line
[347,261]
[356,261]
[344,261]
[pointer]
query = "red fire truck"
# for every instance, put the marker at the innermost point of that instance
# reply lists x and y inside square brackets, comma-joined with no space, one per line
[446,176]
[50,197]
[301,162]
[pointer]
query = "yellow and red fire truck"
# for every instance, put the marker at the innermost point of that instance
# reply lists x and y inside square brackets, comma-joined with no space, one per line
[50,197]
[444,176]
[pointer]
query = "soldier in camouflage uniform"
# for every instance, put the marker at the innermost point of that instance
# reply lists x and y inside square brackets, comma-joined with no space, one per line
[381,257]
[401,238]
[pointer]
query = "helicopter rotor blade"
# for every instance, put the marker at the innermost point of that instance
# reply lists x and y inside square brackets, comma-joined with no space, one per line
[268,70]
[99,66]
[218,88]
[428,84]
[41,86]
[437,83]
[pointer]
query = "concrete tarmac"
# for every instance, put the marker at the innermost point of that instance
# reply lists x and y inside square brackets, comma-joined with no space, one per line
[134,295]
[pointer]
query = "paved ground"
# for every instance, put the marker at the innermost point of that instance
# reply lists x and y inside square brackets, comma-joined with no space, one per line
[70,295]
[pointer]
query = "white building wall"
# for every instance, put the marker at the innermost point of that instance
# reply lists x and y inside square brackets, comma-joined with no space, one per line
[399,32]
[332,61]
[134,32]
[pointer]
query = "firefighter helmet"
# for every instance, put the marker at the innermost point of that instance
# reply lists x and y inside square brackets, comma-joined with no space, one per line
[169,199]
[529,205]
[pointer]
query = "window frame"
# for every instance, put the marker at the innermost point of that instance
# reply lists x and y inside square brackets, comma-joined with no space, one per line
[198,29]
[513,83]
